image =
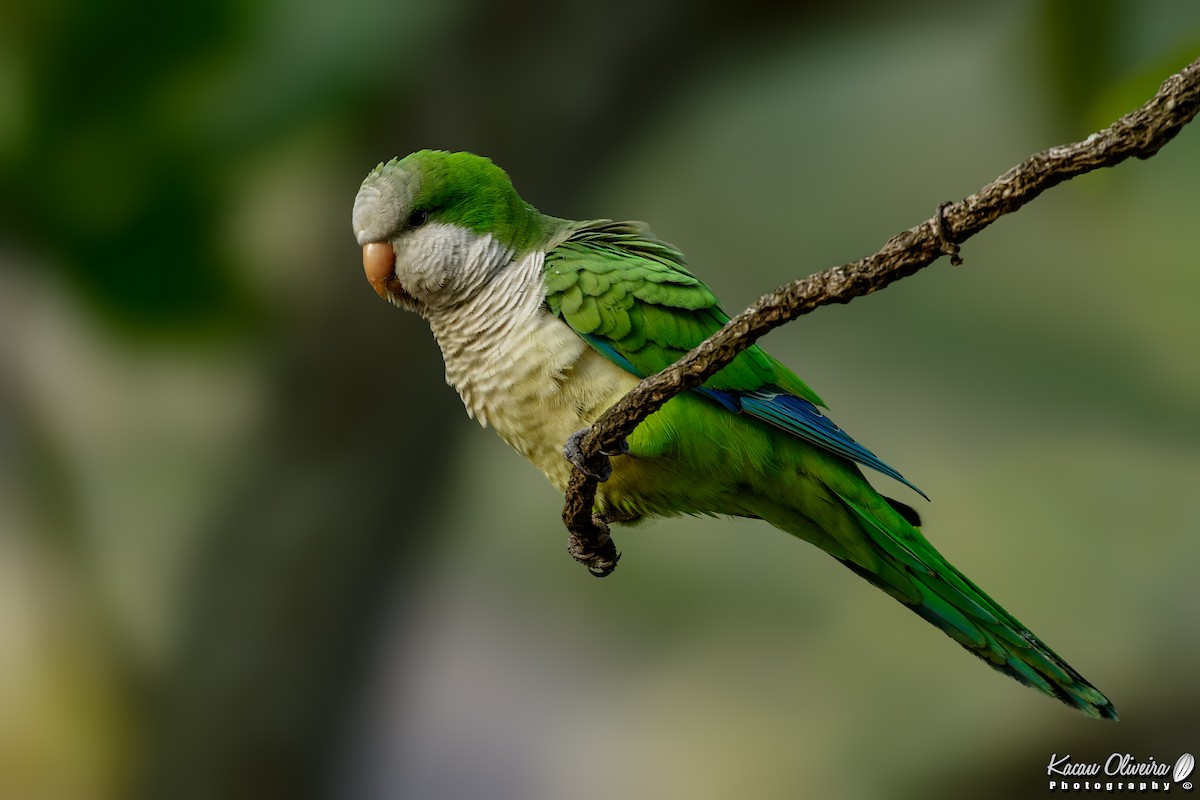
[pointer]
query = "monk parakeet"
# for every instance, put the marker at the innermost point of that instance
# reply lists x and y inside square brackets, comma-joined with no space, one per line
[544,323]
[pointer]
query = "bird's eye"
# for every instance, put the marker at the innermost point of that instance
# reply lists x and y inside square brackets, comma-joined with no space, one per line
[418,218]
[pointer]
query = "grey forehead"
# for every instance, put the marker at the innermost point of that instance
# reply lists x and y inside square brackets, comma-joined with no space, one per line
[382,202]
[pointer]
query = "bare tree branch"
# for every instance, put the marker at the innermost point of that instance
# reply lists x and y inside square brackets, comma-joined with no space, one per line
[1141,133]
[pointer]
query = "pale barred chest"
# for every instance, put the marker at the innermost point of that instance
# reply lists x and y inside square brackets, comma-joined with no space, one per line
[524,372]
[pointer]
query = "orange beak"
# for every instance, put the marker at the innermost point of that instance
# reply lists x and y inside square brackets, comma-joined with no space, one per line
[378,262]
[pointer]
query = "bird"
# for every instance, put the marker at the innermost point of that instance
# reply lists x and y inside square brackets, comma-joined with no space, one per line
[544,323]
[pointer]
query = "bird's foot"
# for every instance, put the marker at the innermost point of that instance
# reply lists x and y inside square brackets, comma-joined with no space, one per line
[599,468]
[598,553]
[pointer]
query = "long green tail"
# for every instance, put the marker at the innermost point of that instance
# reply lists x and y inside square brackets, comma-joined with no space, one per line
[911,570]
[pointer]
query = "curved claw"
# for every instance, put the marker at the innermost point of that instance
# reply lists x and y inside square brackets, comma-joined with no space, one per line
[603,570]
[622,449]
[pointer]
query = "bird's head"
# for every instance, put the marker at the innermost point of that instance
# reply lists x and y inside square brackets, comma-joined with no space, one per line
[435,226]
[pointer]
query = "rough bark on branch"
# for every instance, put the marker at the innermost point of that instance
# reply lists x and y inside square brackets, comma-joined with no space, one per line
[1141,133]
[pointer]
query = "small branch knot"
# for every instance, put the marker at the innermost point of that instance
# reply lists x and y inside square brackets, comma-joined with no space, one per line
[941,232]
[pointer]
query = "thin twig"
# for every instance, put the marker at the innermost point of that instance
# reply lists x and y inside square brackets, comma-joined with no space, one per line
[1140,133]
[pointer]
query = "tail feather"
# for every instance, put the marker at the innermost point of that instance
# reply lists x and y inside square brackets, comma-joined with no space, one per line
[912,571]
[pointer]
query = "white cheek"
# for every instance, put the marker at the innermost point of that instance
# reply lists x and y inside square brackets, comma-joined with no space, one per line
[423,263]
[419,276]
[440,264]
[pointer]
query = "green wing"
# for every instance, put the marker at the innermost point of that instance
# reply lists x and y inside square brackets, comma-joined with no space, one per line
[631,297]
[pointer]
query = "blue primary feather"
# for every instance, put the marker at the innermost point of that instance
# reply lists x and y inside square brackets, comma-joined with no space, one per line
[800,417]
[793,414]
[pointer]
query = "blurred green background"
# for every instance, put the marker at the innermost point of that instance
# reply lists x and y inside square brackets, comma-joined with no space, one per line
[250,545]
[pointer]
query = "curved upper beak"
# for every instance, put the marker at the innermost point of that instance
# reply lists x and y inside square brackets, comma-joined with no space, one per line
[379,261]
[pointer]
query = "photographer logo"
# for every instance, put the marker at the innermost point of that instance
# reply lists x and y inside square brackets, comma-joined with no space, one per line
[1120,772]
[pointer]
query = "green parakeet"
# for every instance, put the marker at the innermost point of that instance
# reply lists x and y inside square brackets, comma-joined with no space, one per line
[544,323]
